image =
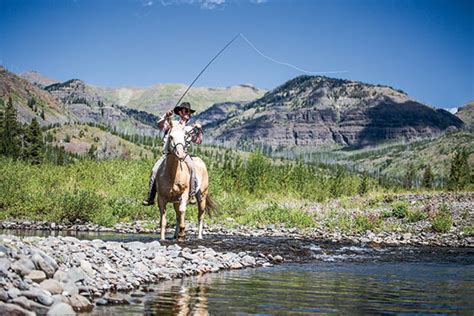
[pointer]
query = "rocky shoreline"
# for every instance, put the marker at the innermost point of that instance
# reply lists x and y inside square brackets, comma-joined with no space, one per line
[64,275]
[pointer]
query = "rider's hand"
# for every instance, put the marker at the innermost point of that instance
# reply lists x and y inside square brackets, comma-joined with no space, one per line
[197,125]
[169,113]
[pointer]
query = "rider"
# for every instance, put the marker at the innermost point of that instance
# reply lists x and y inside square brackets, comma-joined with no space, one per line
[184,111]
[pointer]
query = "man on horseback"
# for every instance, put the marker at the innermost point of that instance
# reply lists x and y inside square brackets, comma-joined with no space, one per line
[194,131]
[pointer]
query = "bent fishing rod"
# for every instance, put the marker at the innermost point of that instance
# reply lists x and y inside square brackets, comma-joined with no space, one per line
[204,69]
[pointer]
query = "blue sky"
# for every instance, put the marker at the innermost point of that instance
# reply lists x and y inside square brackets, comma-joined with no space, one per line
[425,48]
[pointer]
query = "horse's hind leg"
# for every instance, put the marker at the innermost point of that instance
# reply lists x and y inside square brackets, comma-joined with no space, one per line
[201,208]
[162,206]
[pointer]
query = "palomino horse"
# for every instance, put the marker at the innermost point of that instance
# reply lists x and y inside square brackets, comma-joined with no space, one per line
[173,181]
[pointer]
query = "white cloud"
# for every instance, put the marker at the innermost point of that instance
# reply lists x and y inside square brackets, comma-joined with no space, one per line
[204,4]
[258,1]
[211,4]
[147,3]
[452,110]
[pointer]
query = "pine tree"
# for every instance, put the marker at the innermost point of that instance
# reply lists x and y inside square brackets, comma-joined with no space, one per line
[428,177]
[92,151]
[364,184]
[460,175]
[34,146]
[410,176]
[10,143]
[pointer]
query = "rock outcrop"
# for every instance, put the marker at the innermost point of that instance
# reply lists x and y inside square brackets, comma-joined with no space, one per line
[315,110]
[89,107]
[466,113]
[31,101]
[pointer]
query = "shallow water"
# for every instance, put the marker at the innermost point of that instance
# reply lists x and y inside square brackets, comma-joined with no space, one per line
[342,288]
[339,279]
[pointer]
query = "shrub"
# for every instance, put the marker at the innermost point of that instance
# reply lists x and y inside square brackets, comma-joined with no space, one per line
[363,223]
[399,209]
[443,220]
[416,216]
[79,205]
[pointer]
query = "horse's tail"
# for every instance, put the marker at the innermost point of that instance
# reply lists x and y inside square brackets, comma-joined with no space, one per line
[211,206]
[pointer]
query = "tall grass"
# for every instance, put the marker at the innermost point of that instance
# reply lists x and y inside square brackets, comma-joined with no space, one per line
[109,191]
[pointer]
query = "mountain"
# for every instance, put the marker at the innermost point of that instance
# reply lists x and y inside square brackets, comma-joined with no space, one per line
[79,139]
[31,101]
[37,78]
[466,113]
[89,107]
[218,112]
[159,98]
[311,111]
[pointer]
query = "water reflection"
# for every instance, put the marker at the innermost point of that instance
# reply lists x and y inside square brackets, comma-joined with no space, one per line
[180,299]
[343,288]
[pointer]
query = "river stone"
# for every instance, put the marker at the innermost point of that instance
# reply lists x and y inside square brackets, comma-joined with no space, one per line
[115,298]
[52,286]
[3,295]
[36,276]
[79,303]
[22,301]
[14,292]
[23,266]
[12,309]
[76,274]
[87,268]
[5,264]
[160,260]
[154,245]
[101,301]
[61,309]
[4,250]
[59,299]
[236,265]
[70,288]
[248,261]
[45,299]
[134,246]
[61,276]
[140,266]
[45,263]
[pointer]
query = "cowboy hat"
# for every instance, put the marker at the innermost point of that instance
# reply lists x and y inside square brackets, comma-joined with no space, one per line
[184,105]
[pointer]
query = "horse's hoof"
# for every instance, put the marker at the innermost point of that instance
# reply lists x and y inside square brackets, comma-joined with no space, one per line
[181,238]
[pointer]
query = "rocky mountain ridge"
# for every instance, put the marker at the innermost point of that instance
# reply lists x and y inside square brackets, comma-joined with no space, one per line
[316,110]
[32,101]
[466,113]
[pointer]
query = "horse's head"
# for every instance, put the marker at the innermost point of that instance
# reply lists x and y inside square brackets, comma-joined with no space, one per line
[177,142]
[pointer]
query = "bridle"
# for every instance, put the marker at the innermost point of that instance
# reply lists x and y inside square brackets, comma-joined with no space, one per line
[185,145]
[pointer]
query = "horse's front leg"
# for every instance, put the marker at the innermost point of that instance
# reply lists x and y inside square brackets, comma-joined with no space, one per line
[176,230]
[162,206]
[180,213]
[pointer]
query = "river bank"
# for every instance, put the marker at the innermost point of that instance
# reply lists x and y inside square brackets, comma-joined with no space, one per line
[65,274]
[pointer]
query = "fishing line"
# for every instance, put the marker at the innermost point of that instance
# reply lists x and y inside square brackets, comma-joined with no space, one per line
[288,64]
[261,54]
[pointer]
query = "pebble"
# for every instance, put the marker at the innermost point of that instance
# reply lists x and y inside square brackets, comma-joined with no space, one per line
[37,276]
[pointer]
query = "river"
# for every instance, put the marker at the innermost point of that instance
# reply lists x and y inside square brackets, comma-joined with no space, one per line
[347,280]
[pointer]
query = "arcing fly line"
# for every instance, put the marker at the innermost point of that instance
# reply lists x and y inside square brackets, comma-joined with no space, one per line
[288,64]
[261,54]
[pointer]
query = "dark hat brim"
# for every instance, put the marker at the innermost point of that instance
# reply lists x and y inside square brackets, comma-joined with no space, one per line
[179,108]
